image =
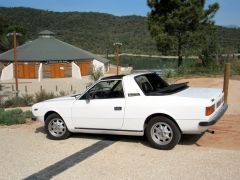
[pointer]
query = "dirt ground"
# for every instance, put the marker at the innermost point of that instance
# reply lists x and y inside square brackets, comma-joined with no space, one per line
[227,129]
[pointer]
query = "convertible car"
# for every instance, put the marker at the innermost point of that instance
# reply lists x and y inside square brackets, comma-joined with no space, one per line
[136,104]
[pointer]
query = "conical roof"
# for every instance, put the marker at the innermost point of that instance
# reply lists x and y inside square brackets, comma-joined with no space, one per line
[46,32]
[49,49]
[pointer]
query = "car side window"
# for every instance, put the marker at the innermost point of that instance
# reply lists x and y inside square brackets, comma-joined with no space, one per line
[105,90]
[144,84]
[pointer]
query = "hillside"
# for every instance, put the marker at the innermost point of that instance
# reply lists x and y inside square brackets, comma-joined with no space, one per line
[97,32]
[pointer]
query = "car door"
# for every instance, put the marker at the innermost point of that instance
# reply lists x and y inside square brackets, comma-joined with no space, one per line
[101,107]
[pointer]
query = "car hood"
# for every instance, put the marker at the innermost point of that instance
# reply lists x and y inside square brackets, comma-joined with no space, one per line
[201,93]
[66,98]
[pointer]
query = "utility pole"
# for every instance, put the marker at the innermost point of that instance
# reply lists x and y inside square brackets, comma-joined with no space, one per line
[15,60]
[14,34]
[117,45]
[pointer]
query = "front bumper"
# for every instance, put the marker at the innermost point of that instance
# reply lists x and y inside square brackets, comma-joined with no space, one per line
[216,117]
[38,118]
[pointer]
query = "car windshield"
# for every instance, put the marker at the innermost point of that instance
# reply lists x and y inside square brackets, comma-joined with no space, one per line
[105,90]
[153,84]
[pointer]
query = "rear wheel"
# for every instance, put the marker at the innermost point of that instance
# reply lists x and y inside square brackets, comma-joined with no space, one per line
[56,127]
[162,133]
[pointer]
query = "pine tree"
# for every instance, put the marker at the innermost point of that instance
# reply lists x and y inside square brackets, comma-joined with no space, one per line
[172,23]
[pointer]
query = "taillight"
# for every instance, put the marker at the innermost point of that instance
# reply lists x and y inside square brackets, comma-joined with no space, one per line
[210,110]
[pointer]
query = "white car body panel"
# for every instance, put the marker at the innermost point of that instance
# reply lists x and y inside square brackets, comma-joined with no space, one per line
[98,113]
[186,108]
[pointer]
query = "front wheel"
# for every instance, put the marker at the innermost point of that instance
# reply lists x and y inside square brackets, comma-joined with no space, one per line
[162,133]
[56,127]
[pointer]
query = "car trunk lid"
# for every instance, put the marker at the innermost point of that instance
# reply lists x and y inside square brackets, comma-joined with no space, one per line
[212,94]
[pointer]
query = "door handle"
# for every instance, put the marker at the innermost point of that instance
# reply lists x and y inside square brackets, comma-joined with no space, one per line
[117,108]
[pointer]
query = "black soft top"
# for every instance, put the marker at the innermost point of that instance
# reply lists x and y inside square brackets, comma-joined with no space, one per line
[113,77]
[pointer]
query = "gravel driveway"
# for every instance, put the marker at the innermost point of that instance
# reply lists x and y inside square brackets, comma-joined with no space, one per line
[26,152]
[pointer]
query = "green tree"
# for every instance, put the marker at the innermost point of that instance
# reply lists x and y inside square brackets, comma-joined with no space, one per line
[20,39]
[4,23]
[81,29]
[206,44]
[172,23]
[6,26]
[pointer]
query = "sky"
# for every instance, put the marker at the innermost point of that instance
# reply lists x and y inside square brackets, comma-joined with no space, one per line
[229,13]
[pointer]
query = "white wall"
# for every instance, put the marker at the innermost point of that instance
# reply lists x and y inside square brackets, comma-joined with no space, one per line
[76,72]
[7,72]
[107,67]
[40,72]
[97,64]
[126,70]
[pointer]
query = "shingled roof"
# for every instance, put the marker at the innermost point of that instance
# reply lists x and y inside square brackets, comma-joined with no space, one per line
[48,48]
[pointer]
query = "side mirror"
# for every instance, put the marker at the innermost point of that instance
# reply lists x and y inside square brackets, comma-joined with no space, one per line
[88,97]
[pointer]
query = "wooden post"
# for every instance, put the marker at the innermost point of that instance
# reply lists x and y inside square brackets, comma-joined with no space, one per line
[71,88]
[226,81]
[41,88]
[56,88]
[25,89]
[15,60]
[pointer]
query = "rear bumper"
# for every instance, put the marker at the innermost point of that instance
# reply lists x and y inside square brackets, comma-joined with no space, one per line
[216,117]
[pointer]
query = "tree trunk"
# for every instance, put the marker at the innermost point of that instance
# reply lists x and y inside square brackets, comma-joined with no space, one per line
[179,50]
[180,60]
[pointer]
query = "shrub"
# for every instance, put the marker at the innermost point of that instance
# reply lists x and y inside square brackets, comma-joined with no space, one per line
[62,93]
[169,73]
[43,95]
[235,67]
[28,114]
[13,102]
[9,117]
[27,99]
[193,68]
[1,101]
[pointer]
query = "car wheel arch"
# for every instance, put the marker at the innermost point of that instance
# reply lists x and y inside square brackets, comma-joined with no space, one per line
[159,115]
[49,113]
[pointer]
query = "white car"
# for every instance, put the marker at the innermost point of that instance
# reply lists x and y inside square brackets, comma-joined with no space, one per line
[137,104]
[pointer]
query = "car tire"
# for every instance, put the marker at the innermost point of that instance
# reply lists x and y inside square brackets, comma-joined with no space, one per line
[56,127]
[162,133]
